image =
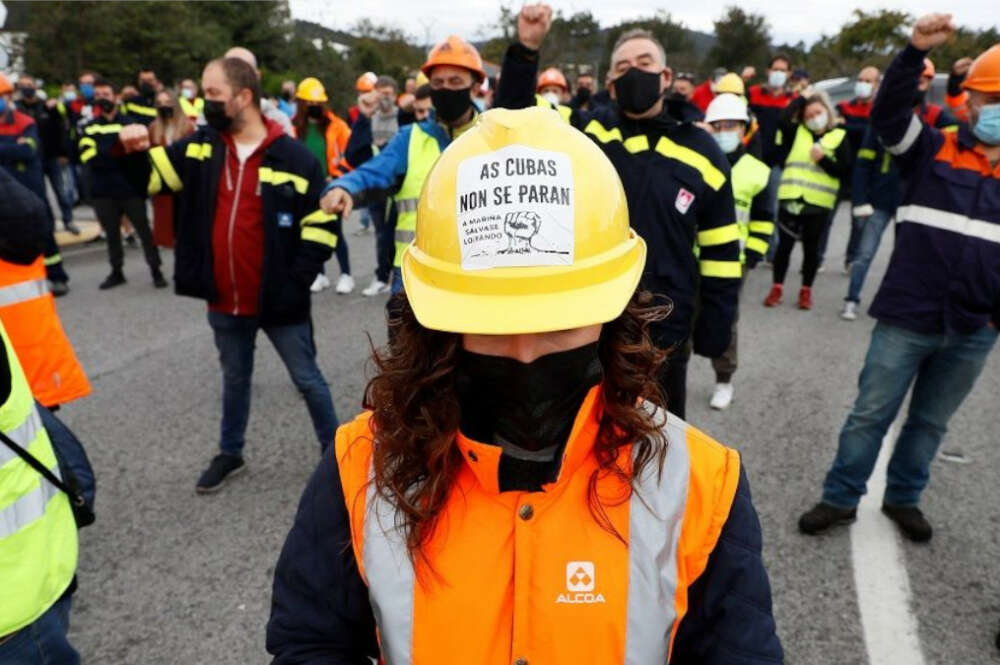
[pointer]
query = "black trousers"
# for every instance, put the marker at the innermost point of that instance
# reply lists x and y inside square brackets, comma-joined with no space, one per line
[809,229]
[109,212]
[384,220]
[673,378]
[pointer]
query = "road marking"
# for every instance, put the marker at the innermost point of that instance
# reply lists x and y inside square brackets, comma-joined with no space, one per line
[880,576]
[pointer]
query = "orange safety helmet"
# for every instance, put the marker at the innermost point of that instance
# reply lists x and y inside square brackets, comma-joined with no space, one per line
[5,85]
[984,74]
[458,52]
[929,70]
[366,82]
[551,76]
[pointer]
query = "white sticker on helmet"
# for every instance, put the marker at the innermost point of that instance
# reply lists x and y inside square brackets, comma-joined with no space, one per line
[515,208]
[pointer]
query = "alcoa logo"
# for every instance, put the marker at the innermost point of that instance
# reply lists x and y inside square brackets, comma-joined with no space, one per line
[580,584]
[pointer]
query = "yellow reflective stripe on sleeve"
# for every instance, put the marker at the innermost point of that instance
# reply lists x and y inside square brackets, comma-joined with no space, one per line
[603,135]
[140,109]
[766,228]
[161,162]
[712,176]
[757,245]
[318,217]
[719,236]
[88,149]
[30,141]
[730,269]
[155,183]
[199,151]
[272,177]
[638,143]
[90,130]
[866,153]
[313,234]
[52,260]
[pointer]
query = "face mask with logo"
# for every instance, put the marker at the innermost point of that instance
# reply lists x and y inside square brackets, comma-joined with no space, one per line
[637,91]
[216,116]
[187,93]
[552,98]
[450,105]
[105,105]
[87,90]
[818,122]
[777,78]
[863,89]
[987,127]
[728,141]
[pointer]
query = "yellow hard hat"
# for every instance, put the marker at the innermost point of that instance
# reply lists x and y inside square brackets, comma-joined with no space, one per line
[422,79]
[522,227]
[731,83]
[311,90]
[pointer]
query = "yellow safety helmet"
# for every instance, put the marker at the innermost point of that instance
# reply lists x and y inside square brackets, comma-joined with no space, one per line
[422,79]
[311,90]
[731,83]
[522,227]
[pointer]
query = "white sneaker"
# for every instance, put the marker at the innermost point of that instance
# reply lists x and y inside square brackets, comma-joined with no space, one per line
[321,282]
[850,312]
[377,287]
[722,396]
[345,284]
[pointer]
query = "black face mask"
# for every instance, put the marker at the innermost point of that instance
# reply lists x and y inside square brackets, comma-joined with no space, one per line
[165,112]
[287,96]
[106,105]
[451,105]
[532,405]
[215,115]
[28,93]
[314,112]
[637,90]
[146,89]
[920,97]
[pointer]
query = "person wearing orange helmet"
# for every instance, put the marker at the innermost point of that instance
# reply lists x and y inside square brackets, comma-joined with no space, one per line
[453,67]
[552,86]
[938,307]
[364,84]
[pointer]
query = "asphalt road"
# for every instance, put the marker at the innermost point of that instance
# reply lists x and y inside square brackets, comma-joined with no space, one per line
[168,576]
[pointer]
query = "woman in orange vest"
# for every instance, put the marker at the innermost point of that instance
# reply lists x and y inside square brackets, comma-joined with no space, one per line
[515,492]
[27,308]
[326,136]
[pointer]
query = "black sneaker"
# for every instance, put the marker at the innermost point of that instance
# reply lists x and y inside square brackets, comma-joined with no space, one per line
[58,288]
[222,468]
[822,516]
[116,278]
[158,280]
[910,521]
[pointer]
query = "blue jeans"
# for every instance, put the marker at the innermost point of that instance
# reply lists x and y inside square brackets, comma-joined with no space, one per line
[235,339]
[942,369]
[43,642]
[869,230]
[397,281]
[60,175]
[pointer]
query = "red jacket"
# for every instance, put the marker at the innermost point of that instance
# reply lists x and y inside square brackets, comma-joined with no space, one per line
[703,96]
[238,229]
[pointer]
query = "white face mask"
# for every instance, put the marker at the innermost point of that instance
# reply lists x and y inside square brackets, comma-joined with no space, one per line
[187,93]
[818,122]
[552,98]
[728,141]
[863,89]
[777,78]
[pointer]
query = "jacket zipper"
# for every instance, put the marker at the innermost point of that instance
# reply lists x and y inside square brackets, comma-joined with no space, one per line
[232,227]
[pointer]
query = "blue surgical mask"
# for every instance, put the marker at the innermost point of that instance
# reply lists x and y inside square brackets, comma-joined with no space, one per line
[3,105]
[777,78]
[728,141]
[863,89]
[69,95]
[87,90]
[987,127]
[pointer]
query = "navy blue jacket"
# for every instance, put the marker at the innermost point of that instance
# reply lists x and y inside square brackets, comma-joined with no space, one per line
[320,613]
[944,274]
[112,174]
[875,179]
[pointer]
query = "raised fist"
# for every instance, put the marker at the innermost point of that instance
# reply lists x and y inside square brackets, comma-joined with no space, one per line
[932,30]
[533,24]
[135,138]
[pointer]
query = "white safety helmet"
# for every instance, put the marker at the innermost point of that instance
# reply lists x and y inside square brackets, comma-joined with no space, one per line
[727,107]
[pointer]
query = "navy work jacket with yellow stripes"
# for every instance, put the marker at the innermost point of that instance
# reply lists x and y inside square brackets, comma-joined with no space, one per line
[298,237]
[112,174]
[944,274]
[680,197]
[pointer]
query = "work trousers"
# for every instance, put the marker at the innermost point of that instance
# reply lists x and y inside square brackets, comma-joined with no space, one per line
[942,369]
[726,364]
[808,228]
[43,642]
[673,378]
[109,212]
[384,220]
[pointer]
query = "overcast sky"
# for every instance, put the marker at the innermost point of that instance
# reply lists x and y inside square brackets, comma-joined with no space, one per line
[439,18]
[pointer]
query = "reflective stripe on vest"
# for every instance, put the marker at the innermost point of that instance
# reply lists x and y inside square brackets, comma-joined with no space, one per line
[15,293]
[635,592]
[804,179]
[749,177]
[422,152]
[37,532]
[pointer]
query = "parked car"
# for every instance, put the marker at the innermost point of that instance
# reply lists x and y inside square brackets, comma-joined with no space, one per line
[841,89]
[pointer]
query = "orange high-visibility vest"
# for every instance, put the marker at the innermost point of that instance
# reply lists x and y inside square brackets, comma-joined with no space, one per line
[531,577]
[28,312]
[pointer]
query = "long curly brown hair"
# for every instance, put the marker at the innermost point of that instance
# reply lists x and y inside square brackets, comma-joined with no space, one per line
[416,413]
